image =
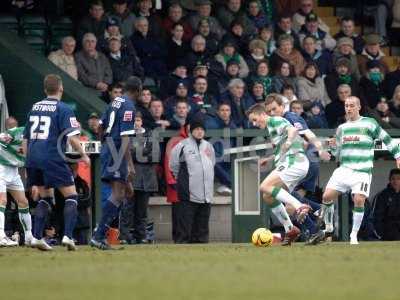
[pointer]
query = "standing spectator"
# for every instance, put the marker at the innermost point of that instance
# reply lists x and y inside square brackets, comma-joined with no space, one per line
[299,18]
[311,53]
[386,209]
[256,15]
[382,114]
[212,40]
[284,75]
[232,10]
[285,26]
[257,53]
[192,163]
[262,75]
[93,127]
[372,85]
[344,49]
[175,15]
[64,58]
[180,116]
[94,23]
[334,111]
[125,18]
[229,52]
[176,46]
[371,51]
[94,69]
[144,9]
[323,38]
[287,53]
[347,29]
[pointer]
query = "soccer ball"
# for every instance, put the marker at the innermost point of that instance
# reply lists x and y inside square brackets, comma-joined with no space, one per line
[262,237]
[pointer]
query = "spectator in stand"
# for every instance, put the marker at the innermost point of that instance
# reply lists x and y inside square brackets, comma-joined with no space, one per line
[232,10]
[335,113]
[265,34]
[323,38]
[287,6]
[176,46]
[299,18]
[181,94]
[142,106]
[64,58]
[203,11]
[125,18]
[257,53]
[201,102]
[212,79]
[180,116]
[150,51]
[94,70]
[348,30]
[288,96]
[93,123]
[287,53]
[394,104]
[392,81]
[372,85]
[239,101]
[371,52]
[386,209]
[175,15]
[257,91]
[114,91]
[222,120]
[322,58]
[157,111]
[144,9]
[315,117]
[123,65]
[311,87]
[284,75]
[262,75]
[169,84]
[229,52]
[341,75]
[236,32]
[231,72]
[212,40]
[344,49]
[256,15]
[395,27]
[95,22]
[297,107]
[382,114]
[285,27]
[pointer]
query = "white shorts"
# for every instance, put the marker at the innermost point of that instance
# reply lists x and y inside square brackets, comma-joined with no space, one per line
[344,180]
[291,176]
[10,179]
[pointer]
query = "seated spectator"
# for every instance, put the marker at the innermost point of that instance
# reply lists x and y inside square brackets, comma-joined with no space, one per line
[344,49]
[341,75]
[322,58]
[372,85]
[229,52]
[200,101]
[176,47]
[239,101]
[232,10]
[256,15]
[257,53]
[142,106]
[231,72]
[284,26]
[93,123]
[262,75]
[311,87]
[287,53]
[347,29]
[175,15]
[222,120]
[371,51]
[265,34]
[257,91]
[315,117]
[335,113]
[382,114]
[394,103]
[386,212]
[157,111]
[323,38]
[114,91]
[299,18]
[236,32]
[392,81]
[94,23]
[181,94]
[144,9]
[123,65]
[296,107]
[180,116]
[169,84]
[288,96]
[150,51]
[203,11]
[64,58]
[94,69]
[269,9]
[212,78]
[125,18]
[212,41]
[284,75]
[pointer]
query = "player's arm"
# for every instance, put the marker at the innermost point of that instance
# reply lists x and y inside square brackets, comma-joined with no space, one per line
[76,145]
[312,138]
[391,145]
[24,146]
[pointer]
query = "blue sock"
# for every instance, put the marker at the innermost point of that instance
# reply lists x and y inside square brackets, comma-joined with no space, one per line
[70,215]
[309,225]
[41,213]
[110,212]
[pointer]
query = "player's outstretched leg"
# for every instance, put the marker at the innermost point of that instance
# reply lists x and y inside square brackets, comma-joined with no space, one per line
[358,215]
[41,213]
[70,217]
[5,241]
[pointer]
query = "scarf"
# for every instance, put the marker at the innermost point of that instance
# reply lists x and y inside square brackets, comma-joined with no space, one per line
[345,79]
[294,58]
[234,57]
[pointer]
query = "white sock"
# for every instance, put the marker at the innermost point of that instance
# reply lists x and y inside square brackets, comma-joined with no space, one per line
[26,220]
[279,211]
[328,211]
[358,215]
[283,196]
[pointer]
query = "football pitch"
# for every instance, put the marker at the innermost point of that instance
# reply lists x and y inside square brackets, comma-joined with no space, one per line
[214,271]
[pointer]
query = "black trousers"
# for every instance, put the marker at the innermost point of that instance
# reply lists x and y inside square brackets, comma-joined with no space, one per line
[192,224]
[174,219]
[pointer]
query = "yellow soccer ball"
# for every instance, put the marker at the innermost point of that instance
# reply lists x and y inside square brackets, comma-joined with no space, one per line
[262,237]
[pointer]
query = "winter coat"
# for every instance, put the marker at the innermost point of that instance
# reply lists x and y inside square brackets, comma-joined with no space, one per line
[126,66]
[243,68]
[392,79]
[175,53]
[226,16]
[312,91]
[353,63]
[278,81]
[394,122]
[335,113]
[332,81]
[126,21]
[299,20]
[323,59]
[238,110]
[215,26]
[192,59]
[89,24]
[168,24]
[170,83]
[358,41]
[92,70]
[278,32]
[364,57]
[370,93]
[324,39]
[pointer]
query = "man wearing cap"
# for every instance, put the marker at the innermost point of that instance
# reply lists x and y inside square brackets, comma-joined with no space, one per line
[125,18]
[93,123]
[311,27]
[348,30]
[372,85]
[344,49]
[95,22]
[372,51]
[306,7]
[169,84]
[192,164]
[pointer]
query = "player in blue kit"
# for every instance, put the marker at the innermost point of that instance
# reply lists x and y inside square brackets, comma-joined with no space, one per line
[50,124]
[117,126]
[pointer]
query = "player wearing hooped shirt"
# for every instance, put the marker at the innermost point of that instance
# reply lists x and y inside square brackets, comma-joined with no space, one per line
[51,123]
[116,162]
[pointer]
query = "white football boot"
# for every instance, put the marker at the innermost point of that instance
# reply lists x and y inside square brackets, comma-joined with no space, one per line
[353,238]
[69,243]
[40,244]
[5,241]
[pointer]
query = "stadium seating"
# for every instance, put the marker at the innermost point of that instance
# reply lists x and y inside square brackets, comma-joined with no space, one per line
[35,32]
[59,28]
[10,22]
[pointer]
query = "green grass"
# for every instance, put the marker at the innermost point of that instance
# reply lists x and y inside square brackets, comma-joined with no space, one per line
[215,271]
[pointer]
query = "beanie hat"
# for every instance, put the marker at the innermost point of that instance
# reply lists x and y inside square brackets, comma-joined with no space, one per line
[196,123]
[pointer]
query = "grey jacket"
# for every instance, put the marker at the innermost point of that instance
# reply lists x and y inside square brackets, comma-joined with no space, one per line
[93,70]
[193,168]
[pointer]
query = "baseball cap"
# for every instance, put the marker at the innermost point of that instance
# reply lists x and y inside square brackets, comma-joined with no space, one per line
[112,22]
[311,17]
[93,115]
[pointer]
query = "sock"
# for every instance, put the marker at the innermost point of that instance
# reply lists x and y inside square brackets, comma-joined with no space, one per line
[2,220]
[110,212]
[26,220]
[279,211]
[283,196]
[328,210]
[41,213]
[358,214]
[70,215]
[309,225]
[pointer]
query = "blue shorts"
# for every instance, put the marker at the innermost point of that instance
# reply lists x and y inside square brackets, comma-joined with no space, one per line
[52,175]
[111,171]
